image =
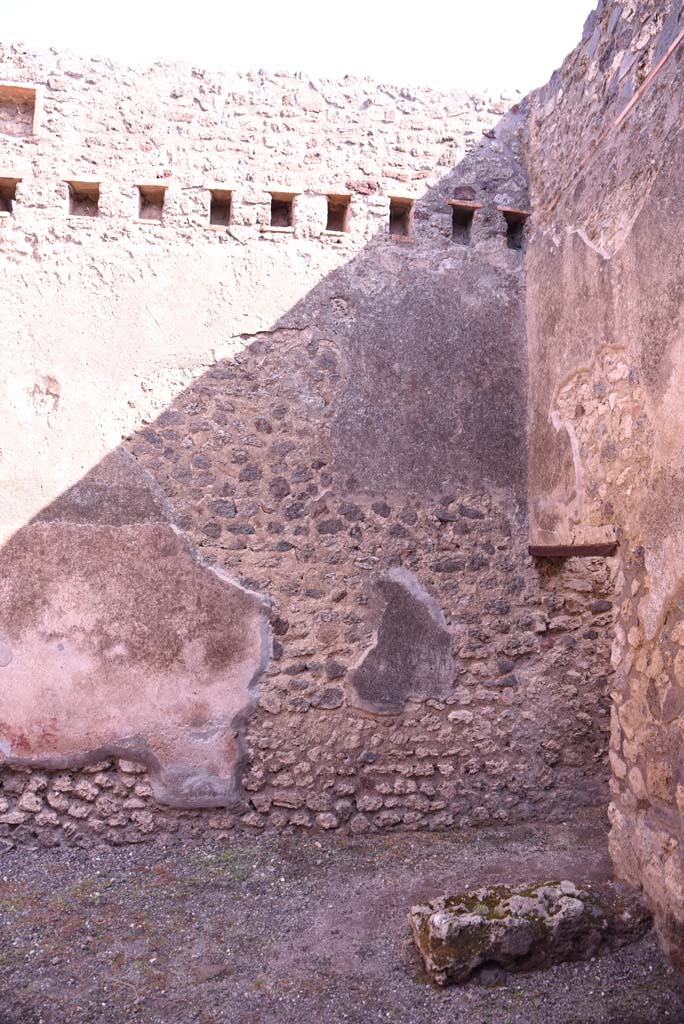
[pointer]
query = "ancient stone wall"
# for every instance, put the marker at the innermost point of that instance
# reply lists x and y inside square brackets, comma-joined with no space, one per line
[264,483]
[607,361]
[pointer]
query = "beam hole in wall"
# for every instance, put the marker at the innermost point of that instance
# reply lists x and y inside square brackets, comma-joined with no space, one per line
[400,217]
[17,110]
[462,215]
[84,198]
[338,213]
[282,210]
[219,207]
[8,194]
[515,226]
[151,201]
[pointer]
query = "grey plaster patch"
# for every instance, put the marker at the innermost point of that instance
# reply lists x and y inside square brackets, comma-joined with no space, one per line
[411,413]
[116,492]
[412,654]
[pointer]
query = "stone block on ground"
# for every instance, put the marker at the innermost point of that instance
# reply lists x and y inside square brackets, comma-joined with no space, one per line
[524,928]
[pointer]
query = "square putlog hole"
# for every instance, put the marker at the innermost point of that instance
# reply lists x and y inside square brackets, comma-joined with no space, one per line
[219,207]
[8,194]
[462,216]
[400,217]
[338,213]
[18,108]
[282,210]
[151,202]
[84,198]
[515,226]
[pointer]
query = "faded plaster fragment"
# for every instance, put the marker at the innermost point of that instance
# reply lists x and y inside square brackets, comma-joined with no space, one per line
[119,640]
[412,654]
[604,412]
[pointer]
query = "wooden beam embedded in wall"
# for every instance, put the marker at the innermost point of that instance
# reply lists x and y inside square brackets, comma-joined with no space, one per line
[573,550]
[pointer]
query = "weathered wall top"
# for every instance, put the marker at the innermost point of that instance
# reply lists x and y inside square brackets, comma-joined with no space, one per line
[580,151]
[192,129]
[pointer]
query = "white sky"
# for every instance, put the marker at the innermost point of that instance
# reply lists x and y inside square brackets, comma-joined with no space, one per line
[476,45]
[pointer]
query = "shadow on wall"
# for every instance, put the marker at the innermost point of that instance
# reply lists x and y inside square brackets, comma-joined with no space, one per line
[299,468]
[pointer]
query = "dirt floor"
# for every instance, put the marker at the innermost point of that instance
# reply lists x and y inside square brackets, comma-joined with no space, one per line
[293,930]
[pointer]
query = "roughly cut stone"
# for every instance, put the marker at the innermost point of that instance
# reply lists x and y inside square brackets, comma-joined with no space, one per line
[524,928]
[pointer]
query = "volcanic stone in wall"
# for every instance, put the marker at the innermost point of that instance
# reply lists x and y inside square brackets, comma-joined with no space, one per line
[118,640]
[412,653]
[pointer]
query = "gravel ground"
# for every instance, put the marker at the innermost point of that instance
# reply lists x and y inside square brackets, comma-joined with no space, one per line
[283,929]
